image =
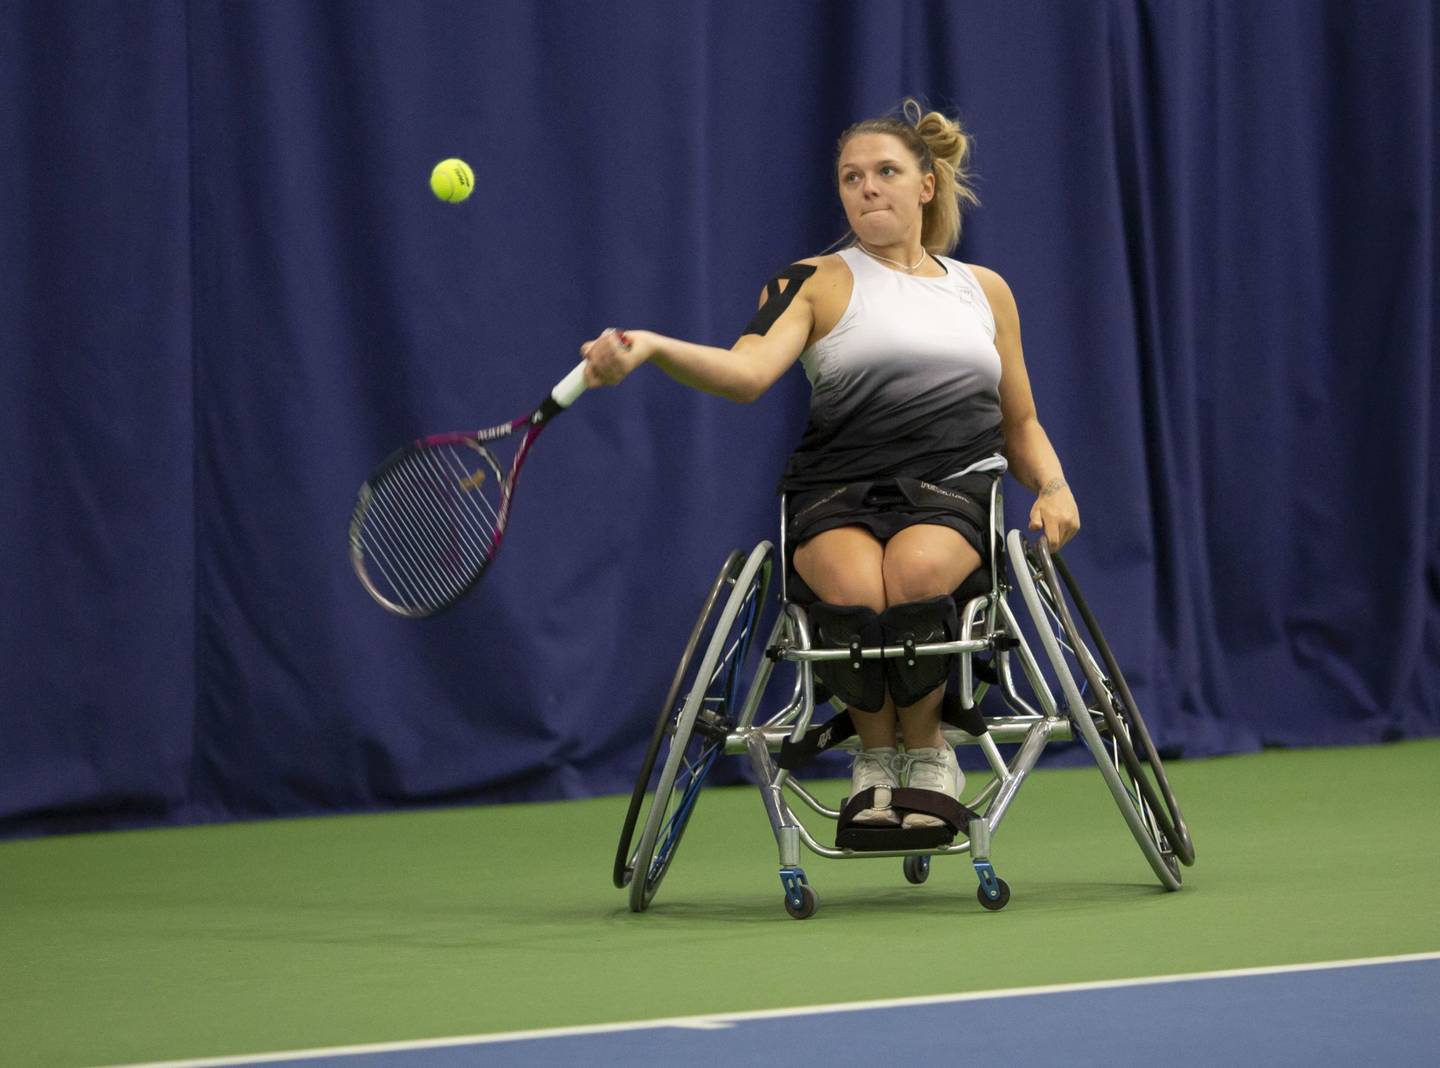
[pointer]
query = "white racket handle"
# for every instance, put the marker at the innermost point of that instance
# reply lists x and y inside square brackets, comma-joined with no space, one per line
[570,387]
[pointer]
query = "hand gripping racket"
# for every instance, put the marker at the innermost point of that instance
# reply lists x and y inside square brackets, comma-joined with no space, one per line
[429,520]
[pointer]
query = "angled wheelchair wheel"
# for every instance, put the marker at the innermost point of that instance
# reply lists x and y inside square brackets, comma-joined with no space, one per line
[705,697]
[665,724]
[1103,709]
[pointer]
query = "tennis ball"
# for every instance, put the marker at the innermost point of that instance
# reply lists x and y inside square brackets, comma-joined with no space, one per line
[452,180]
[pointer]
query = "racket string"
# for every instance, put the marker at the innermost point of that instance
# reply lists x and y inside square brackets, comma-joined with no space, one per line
[402,583]
[450,555]
[392,517]
[471,491]
[451,544]
[440,482]
[425,522]
[387,525]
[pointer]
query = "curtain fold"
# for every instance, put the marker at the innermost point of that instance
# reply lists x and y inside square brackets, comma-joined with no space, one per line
[227,292]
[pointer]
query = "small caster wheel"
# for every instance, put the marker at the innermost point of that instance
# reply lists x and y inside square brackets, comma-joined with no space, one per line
[809,902]
[998,903]
[917,869]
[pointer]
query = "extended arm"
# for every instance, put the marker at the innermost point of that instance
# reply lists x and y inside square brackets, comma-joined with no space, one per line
[772,342]
[1032,458]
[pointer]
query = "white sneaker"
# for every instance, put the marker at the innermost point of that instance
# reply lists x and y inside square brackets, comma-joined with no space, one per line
[932,769]
[875,767]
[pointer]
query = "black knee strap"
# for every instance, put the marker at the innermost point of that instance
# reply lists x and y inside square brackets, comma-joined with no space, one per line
[866,838]
[859,683]
[911,677]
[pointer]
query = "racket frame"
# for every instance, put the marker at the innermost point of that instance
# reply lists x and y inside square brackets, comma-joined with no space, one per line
[560,398]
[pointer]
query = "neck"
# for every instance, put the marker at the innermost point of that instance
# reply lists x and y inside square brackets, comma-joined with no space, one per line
[904,256]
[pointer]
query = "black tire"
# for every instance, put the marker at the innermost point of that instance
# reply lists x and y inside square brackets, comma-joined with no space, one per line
[1126,726]
[710,694]
[998,903]
[665,723]
[917,869]
[809,902]
[1103,710]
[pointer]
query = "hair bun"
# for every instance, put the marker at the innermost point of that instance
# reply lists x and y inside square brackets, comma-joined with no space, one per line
[944,136]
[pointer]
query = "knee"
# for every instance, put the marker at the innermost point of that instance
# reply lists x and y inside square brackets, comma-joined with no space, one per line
[916,576]
[837,584]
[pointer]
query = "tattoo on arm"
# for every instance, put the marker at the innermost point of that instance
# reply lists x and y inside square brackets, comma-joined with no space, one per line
[1055,485]
[778,299]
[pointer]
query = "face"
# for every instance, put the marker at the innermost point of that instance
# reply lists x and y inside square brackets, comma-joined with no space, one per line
[883,189]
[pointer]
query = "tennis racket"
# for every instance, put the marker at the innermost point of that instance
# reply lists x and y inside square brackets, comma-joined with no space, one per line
[429,520]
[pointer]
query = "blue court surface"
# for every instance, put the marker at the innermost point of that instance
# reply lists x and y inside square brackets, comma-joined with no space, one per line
[1384,1011]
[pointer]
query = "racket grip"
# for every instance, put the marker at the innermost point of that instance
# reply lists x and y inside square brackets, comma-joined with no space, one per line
[570,387]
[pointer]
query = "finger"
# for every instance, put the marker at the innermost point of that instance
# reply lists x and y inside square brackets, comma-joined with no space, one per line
[592,376]
[1067,531]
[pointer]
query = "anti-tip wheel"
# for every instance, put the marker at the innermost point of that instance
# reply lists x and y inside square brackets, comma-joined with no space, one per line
[998,903]
[917,869]
[809,902]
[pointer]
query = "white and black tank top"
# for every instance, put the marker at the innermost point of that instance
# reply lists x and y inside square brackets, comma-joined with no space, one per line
[907,384]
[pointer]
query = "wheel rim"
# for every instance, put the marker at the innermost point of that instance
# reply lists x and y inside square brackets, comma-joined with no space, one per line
[700,723]
[1135,796]
[1127,727]
[624,855]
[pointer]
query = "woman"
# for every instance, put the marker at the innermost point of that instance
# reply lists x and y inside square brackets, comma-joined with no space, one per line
[920,398]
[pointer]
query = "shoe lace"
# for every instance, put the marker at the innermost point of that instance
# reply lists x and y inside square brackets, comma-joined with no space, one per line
[868,765]
[931,768]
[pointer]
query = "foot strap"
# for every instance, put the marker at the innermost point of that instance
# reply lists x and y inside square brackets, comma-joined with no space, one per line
[933,803]
[866,838]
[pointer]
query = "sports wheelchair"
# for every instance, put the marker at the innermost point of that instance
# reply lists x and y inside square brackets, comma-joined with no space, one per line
[712,709]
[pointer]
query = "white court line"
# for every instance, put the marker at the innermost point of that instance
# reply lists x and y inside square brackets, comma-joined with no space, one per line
[720,1020]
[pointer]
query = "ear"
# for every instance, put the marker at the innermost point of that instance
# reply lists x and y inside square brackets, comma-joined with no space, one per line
[927,189]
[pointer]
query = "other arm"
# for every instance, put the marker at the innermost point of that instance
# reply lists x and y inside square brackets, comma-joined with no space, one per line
[1032,458]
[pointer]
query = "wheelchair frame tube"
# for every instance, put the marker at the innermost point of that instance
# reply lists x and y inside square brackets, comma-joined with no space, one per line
[790,832]
[1033,735]
[1005,729]
[1032,729]
[762,677]
[884,652]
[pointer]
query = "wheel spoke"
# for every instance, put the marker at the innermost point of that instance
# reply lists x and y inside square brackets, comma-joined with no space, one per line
[703,697]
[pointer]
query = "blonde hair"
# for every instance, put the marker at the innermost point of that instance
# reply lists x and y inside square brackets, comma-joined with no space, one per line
[942,148]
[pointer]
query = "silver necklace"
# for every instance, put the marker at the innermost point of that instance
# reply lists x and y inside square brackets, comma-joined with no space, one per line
[896,263]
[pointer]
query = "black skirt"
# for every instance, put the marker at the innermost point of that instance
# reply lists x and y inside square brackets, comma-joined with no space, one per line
[888,506]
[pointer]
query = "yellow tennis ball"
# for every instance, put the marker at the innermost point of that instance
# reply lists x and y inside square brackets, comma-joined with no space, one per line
[452,180]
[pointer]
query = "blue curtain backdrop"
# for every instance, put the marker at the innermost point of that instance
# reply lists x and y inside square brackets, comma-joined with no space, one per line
[225,292]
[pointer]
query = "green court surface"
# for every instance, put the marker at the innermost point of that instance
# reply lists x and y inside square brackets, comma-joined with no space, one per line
[293,934]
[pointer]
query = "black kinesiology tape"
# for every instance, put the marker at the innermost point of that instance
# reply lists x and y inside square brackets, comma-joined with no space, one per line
[777,299]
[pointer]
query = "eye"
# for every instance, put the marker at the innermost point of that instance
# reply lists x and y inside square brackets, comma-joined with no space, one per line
[888,170]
